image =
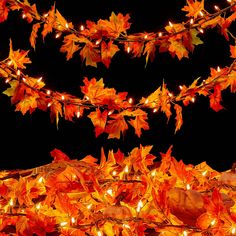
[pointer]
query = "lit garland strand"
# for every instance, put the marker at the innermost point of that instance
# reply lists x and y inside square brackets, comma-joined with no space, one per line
[102,204]
[84,36]
[161,99]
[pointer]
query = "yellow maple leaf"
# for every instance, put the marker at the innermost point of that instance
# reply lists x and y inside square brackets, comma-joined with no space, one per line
[193,8]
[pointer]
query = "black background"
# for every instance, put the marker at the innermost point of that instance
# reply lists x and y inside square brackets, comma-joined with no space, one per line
[206,135]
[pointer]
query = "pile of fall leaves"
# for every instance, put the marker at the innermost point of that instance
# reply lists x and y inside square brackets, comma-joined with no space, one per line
[138,194]
[134,194]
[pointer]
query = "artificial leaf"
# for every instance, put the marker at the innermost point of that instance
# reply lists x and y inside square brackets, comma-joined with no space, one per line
[62,24]
[177,48]
[3,11]
[99,120]
[90,54]
[58,155]
[69,45]
[195,39]
[150,50]
[139,122]
[34,35]
[116,25]
[28,103]
[49,23]
[178,117]
[71,111]
[193,8]
[233,51]
[165,101]
[55,111]
[116,125]
[18,58]
[215,99]
[107,52]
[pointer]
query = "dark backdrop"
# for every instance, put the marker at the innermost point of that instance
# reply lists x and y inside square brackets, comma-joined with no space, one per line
[206,135]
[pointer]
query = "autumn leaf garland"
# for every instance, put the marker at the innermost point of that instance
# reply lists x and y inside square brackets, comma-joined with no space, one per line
[98,42]
[109,111]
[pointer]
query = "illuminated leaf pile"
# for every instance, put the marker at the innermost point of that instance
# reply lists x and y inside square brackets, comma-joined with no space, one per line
[134,194]
[127,195]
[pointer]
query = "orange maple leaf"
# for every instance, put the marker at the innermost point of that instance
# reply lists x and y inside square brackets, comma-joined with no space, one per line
[58,155]
[233,51]
[99,120]
[139,122]
[116,126]
[71,111]
[177,48]
[49,23]
[18,58]
[33,34]
[193,8]
[90,54]
[116,25]
[178,117]
[70,46]
[107,52]
[3,11]
[215,99]
[28,103]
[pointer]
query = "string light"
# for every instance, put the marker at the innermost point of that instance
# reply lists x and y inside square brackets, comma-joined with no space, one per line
[11,202]
[114,173]
[126,169]
[110,191]
[170,94]
[201,13]
[140,205]
[45,15]
[49,104]
[23,16]
[9,63]
[110,112]
[153,173]
[7,80]
[229,1]
[62,224]
[78,114]
[188,187]
[193,99]
[67,25]
[48,92]
[217,8]
[191,21]
[18,73]
[128,49]
[233,230]
[204,173]
[155,110]
[126,226]
[73,220]
[89,206]
[130,100]
[146,101]
[99,233]
[81,27]
[180,87]
[170,24]
[38,206]
[218,69]
[213,222]
[39,80]
[160,34]
[185,233]
[201,31]
[40,180]
[62,97]
[57,35]
[146,36]
[24,79]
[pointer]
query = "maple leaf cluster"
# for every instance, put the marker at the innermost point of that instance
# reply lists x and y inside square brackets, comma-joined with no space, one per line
[99,42]
[138,194]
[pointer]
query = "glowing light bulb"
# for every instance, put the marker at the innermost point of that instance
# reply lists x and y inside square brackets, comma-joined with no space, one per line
[217,8]
[229,1]
[45,15]
[140,205]
[153,173]
[38,206]
[146,36]
[48,92]
[7,80]
[128,49]
[97,42]
[233,230]
[81,27]
[78,114]
[201,13]
[18,73]
[160,34]
[9,63]
[170,24]
[146,101]
[188,187]
[110,191]
[130,101]
[41,179]
[89,206]
[73,220]
[114,173]
[154,110]
[126,226]
[191,21]
[62,224]
[213,222]
[49,104]
[62,97]
[23,16]
[170,94]
[180,87]
[67,25]
[204,173]
[99,233]
[24,79]
[192,99]
[201,31]
[185,233]
[126,169]
[11,202]
[110,112]
[39,80]
[218,69]
[86,98]
[57,35]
